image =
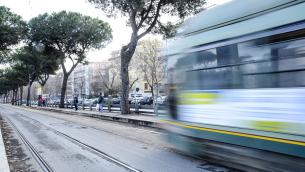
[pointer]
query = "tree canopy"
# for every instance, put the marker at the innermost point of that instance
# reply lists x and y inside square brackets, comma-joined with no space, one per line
[32,65]
[12,30]
[144,16]
[72,35]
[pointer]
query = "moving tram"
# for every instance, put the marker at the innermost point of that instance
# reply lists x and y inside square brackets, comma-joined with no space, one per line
[236,82]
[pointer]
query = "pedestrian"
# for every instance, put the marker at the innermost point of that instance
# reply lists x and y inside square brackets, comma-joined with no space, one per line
[75,101]
[39,100]
[100,102]
[109,103]
[43,102]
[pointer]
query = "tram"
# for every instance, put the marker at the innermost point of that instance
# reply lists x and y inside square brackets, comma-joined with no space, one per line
[236,84]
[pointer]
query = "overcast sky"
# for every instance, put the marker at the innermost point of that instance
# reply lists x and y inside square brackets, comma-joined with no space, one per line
[31,8]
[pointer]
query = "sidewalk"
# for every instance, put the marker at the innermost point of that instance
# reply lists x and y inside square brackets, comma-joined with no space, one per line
[141,120]
[3,159]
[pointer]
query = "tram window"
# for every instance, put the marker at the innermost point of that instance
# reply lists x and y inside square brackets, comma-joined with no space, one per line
[191,81]
[260,81]
[219,78]
[291,64]
[227,55]
[260,67]
[198,60]
[250,52]
[291,49]
[255,50]
[187,61]
[292,79]
[268,64]
[206,59]
[272,80]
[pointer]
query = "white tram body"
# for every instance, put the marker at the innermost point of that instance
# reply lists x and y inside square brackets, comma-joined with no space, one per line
[239,75]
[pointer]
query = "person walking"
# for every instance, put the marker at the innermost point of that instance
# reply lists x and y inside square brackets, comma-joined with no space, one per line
[39,100]
[43,102]
[100,102]
[75,102]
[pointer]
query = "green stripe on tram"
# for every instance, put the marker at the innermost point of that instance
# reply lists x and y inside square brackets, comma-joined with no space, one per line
[191,98]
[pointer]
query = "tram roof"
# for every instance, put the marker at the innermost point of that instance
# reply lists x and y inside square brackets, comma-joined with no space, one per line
[231,11]
[233,19]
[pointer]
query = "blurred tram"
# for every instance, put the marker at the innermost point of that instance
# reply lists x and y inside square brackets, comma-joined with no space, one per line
[236,83]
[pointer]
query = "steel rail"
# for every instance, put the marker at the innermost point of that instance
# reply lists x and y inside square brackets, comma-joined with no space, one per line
[42,163]
[87,147]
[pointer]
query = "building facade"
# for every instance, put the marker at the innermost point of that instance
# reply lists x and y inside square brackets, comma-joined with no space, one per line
[88,80]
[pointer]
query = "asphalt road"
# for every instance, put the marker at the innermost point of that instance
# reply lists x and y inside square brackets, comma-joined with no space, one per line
[59,142]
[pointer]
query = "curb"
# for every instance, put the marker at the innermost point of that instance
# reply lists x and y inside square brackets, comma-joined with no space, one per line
[4,167]
[139,122]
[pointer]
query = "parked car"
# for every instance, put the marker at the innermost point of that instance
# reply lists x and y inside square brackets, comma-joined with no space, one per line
[147,100]
[69,102]
[130,99]
[137,98]
[87,102]
[93,101]
[161,99]
[105,100]
[56,101]
[23,102]
[116,100]
[34,103]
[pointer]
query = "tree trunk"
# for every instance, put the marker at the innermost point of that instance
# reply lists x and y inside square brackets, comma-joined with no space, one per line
[126,55]
[21,95]
[29,94]
[42,88]
[13,97]
[125,109]
[63,91]
[16,96]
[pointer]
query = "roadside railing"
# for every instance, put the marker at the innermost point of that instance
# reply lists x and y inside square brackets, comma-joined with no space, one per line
[142,109]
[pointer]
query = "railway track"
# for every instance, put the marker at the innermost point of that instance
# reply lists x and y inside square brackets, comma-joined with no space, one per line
[75,141]
[42,162]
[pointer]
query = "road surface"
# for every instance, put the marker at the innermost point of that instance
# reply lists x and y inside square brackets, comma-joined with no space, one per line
[59,142]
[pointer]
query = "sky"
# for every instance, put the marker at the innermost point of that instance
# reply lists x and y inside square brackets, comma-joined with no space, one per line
[121,33]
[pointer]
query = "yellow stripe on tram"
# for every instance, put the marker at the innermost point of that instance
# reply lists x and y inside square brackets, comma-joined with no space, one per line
[191,98]
[236,134]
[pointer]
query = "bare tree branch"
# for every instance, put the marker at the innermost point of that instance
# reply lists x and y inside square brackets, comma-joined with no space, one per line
[154,22]
[132,83]
[144,17]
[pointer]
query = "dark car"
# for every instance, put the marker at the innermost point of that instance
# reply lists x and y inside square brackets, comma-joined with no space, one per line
[147,101]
